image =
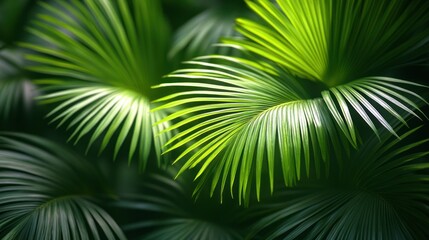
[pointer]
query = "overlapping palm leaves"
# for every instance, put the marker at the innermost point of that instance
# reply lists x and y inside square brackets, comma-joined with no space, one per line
[248,116]
[315,73]
[341,44]
[312,76]
[46,193]
[381,193]
[103,57]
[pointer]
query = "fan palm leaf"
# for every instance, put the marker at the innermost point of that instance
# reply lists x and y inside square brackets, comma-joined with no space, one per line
[103,57]
[245,113]
[338,43]
[381,193]
[45,193]
[168,212]
[241,117]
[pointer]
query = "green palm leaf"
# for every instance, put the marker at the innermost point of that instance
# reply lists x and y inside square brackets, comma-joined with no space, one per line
[245,113]
[373,98]
[341,43]
[44,193]
[243,119]
[337,41]
[103,57]
[380,194]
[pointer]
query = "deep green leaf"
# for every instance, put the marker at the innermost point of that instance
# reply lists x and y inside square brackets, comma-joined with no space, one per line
[46,192]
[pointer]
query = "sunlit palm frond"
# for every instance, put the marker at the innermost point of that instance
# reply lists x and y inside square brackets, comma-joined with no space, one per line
[103,57]
[381,193]
[16,91]
[46,192]
[337,41]
[342,43]
[168,212]
[244,114]
[373,98]
[94,110]
[243,121]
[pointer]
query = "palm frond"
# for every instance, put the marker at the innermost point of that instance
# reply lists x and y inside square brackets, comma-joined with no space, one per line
[380,194]
[45,193]
[246,111]
[242,119]
[337,41]
[373,97]
[342,43]
[168,212]
[103,57]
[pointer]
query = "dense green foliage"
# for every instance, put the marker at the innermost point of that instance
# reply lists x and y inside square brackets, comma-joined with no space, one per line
[249,110]
[256,119]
